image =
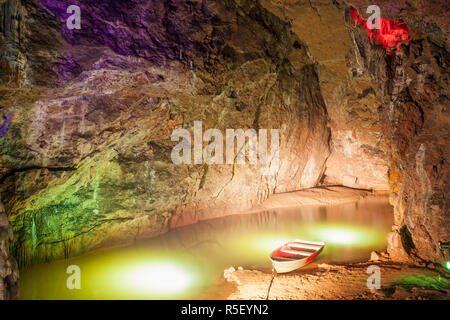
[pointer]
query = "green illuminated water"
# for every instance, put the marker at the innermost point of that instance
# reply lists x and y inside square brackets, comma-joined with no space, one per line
[188,263]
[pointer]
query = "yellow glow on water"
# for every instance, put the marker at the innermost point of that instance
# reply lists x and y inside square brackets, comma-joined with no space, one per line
[187,263]
[159,277]
[254,248]
[340,236]
[343,242]
[151,274]
[267,244]
[257,243]
[346,235]
[125,273]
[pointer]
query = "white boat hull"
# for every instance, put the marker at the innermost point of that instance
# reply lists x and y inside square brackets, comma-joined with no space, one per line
[297,254]
[287,266]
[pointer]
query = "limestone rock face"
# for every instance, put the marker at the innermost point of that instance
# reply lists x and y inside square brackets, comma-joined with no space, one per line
[358,148]
[87,115]
[413,87]
[86,157]
[9,274]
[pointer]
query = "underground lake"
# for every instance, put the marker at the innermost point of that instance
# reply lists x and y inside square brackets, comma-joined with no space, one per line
[189,262]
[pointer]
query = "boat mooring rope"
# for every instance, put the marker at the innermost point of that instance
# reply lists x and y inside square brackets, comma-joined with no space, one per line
[274,273]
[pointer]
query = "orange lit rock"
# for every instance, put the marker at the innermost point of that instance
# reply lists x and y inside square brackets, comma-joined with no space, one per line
[85,161]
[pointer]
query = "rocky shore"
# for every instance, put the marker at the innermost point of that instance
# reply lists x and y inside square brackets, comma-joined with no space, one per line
[341,282]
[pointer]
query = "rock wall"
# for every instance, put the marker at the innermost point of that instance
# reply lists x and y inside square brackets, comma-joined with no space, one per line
[9,273]
[85,141]
[358,146]
[86,159]
[413,87]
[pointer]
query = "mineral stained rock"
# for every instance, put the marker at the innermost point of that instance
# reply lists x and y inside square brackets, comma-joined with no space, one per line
[9,273]
[413,87]
[86,160]
[88,114]
[358,148]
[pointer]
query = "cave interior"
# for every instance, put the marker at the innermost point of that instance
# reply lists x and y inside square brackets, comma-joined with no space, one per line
[129,127]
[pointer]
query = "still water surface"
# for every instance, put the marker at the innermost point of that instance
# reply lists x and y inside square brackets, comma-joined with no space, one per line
[188,262]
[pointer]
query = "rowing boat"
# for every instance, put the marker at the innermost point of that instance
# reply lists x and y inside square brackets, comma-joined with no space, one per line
[294,255]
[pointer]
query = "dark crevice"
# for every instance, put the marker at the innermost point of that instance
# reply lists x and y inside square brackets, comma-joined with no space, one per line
[30,168]
[315,10]
[407,241]
[203,179]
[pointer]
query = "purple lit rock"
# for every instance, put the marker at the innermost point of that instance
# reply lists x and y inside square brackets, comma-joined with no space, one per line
[4,127]
[154,30]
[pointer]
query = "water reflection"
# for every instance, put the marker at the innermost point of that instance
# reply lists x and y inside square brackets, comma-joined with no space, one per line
[187,261]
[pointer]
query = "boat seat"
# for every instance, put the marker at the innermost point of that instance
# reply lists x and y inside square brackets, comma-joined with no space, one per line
[283,259]
[304,246]
[310,242]
[296,252]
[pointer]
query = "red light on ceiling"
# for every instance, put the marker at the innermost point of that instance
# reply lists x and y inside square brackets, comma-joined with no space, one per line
[391,35]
